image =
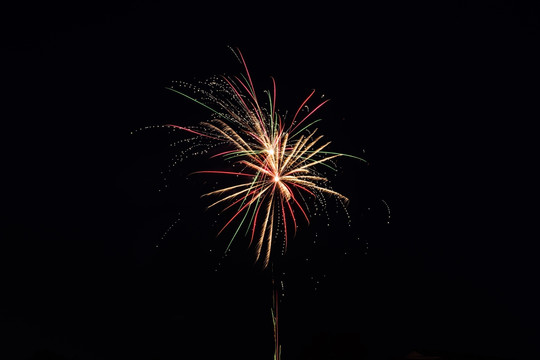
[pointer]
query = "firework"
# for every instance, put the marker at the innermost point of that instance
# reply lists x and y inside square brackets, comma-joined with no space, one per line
[276,164]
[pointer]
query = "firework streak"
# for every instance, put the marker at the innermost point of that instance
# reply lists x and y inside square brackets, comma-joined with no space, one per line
[274,163]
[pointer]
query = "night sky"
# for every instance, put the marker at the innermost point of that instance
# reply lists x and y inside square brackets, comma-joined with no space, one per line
[101,258]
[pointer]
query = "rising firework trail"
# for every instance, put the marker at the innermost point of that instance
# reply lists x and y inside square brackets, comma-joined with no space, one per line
[276,164]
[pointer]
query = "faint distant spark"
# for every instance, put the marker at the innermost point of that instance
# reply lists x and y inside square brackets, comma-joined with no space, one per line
[275,164]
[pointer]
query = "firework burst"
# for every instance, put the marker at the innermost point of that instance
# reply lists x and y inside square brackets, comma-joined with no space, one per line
[275,163]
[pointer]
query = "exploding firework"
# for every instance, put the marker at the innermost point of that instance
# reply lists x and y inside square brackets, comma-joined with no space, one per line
[276,164]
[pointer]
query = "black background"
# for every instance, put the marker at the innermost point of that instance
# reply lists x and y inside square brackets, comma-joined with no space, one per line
[440,99]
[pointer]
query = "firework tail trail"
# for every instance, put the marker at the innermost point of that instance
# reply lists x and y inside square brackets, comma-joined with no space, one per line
[278,164]
[275,318]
